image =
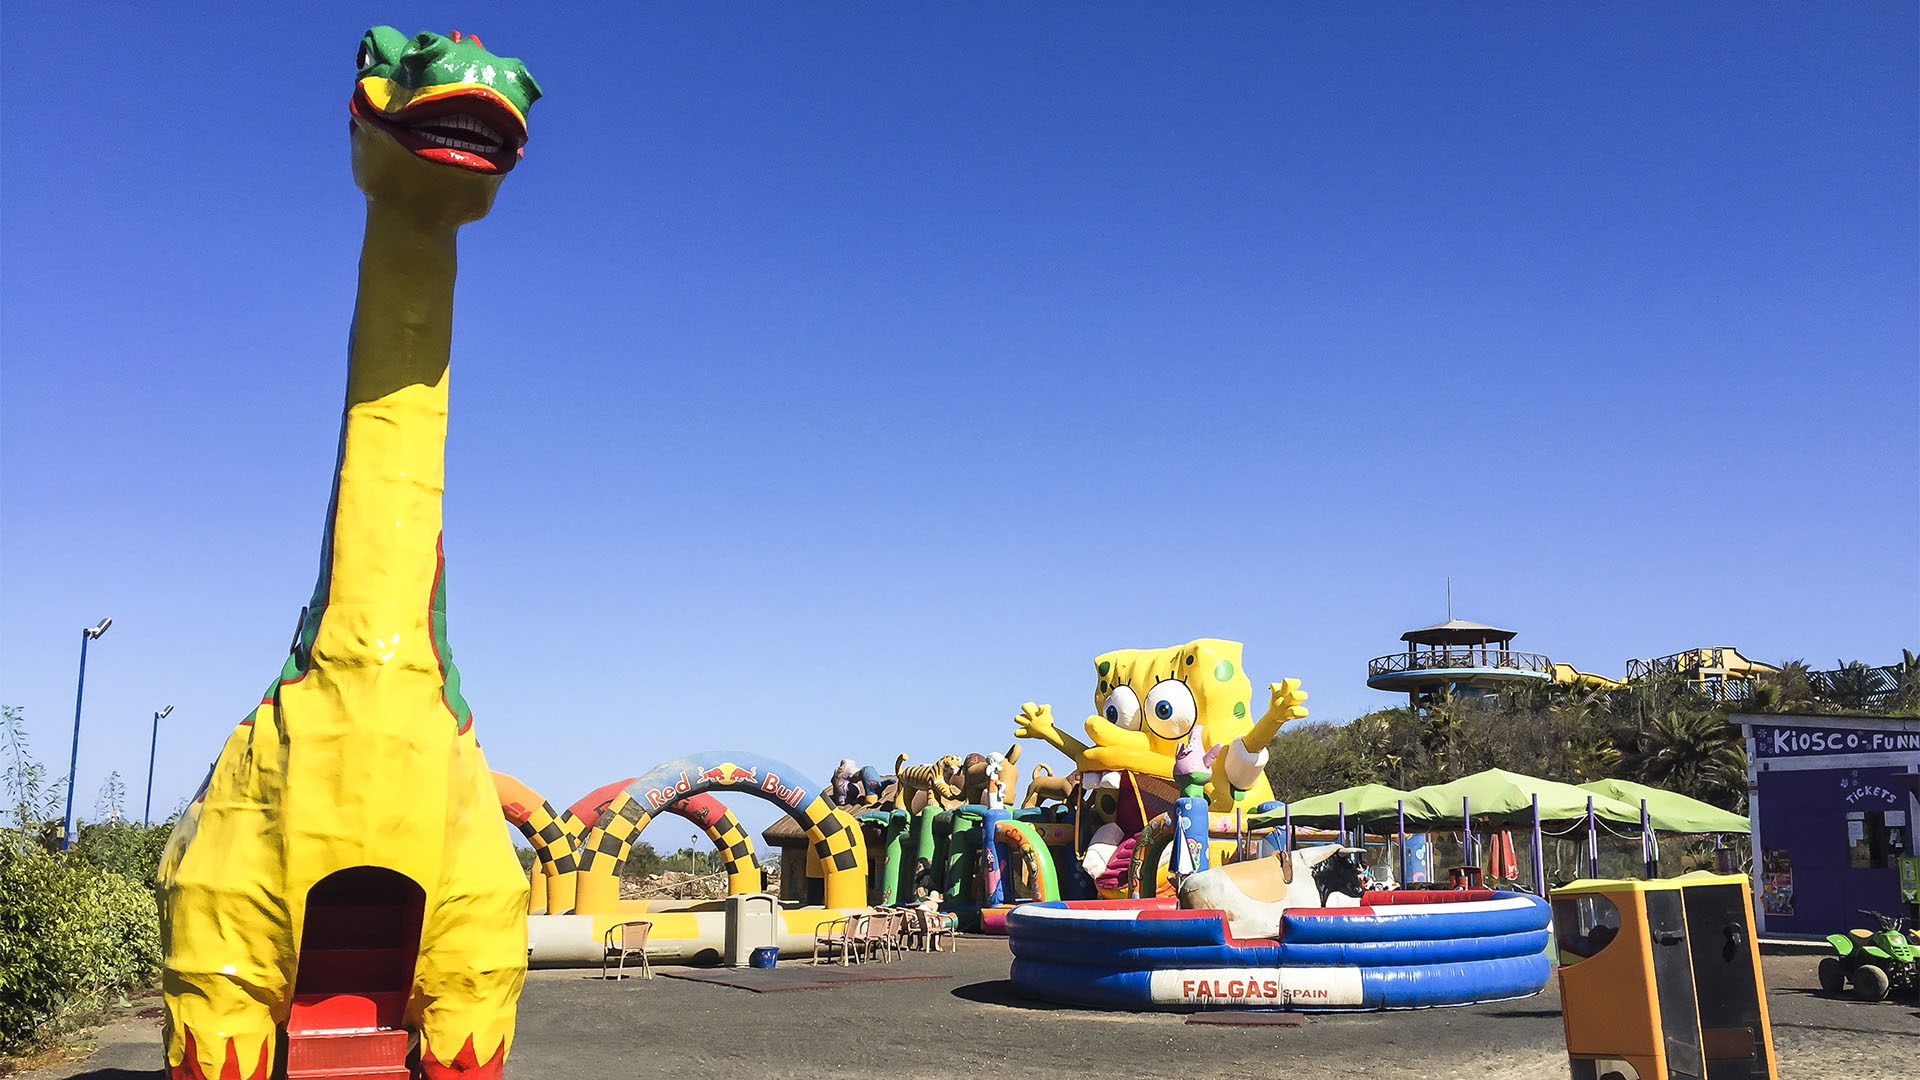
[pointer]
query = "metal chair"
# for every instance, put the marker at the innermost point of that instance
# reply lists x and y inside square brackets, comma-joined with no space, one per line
[832,935]
[906,929]
[935,925]
[883,934]
[859,940]
[913,928]
[623,941]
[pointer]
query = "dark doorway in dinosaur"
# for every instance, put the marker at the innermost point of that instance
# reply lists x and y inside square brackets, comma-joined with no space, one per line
[357,951]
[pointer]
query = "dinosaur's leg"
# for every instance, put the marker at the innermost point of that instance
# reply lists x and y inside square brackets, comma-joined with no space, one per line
[226,952]
[473,948]
[233,1041]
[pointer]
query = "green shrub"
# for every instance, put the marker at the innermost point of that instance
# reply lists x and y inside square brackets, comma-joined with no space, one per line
[643,861]
[121,847]
[73,938]
[76,930]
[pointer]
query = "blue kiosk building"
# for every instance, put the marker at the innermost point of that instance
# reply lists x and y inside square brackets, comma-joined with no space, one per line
[1833,801]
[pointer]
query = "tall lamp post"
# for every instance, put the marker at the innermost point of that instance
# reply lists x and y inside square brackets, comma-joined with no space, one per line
[146,816]
[79,695]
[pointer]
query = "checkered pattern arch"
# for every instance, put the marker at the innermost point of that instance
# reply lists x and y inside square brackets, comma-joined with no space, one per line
[731,840]
[610,840]
[835,835]
[551,844]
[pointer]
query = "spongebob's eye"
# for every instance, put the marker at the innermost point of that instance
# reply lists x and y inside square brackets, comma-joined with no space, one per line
[1122,709]
[1170,709]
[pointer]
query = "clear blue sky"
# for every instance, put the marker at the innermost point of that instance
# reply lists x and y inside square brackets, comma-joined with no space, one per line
[831,379]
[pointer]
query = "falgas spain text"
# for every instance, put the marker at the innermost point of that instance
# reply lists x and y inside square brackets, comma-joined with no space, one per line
[1310,987]
[1251,989]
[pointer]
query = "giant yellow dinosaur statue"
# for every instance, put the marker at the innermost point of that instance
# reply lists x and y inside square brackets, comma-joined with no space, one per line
[344,869]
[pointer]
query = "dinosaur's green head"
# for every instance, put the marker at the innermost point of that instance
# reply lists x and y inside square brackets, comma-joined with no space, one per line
[445,100]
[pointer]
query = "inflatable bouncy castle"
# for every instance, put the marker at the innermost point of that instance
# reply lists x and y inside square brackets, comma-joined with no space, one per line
[1172,763]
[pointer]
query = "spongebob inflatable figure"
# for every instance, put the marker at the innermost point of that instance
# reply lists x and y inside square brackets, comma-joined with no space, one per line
[1168,720]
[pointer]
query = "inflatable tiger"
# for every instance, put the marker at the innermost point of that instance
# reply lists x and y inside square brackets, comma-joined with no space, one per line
[936,780]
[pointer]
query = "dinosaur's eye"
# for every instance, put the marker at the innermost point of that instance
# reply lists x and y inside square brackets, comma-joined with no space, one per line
[1170,709]
[365,59]
[1122,709]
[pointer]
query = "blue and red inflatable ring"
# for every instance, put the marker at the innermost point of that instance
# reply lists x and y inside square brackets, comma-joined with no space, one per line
[1398,950]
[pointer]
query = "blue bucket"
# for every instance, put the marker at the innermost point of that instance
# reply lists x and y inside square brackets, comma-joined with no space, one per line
[764,957]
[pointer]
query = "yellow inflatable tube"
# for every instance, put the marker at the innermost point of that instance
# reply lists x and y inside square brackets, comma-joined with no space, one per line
[687,932]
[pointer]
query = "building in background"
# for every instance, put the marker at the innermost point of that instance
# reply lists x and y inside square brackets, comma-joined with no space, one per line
[1718,674]
[1464,661]
[1833,801]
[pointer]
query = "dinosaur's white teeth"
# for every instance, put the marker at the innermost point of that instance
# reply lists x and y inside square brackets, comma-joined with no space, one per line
[441,132]
[457,144]
[469,123]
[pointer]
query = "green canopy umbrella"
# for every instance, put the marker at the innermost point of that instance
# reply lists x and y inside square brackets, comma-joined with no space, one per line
[1497,795]
[1506,798]
[1670,811]
[1365,804]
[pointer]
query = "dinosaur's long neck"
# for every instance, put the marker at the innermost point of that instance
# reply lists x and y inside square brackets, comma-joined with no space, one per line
[379,612]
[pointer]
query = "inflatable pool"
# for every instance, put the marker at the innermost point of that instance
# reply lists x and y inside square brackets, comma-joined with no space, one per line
[1397,950]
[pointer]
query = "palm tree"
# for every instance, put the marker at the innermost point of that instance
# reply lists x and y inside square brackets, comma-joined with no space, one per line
[1906,684]
[1855,685]
[1726,778]
[1789,689]
[1590,755]
[1529,696]
[1681,750]
[1369,742]
[1442,735]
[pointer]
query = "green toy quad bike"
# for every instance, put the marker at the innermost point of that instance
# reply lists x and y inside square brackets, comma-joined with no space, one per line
[1877,964]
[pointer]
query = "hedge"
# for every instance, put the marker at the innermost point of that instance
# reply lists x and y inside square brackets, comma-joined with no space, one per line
[73,938]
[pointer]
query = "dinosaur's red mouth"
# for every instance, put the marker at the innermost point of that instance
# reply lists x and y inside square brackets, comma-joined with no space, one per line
[471,129]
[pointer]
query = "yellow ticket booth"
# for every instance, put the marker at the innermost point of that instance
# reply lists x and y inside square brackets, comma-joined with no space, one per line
[1660,980]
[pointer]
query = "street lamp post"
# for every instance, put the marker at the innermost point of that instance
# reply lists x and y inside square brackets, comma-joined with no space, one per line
[79,695]
[146,816]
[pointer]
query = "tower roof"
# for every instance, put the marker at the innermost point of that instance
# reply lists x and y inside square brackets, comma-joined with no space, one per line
[1458,632]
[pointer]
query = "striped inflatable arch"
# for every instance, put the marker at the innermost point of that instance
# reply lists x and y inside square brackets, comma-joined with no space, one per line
[1398,950]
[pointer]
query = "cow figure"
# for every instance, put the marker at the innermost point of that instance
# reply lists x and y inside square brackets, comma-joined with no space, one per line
[1256,892]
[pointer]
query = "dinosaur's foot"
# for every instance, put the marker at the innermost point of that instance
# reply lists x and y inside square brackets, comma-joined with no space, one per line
[466,1065]
[224,1064]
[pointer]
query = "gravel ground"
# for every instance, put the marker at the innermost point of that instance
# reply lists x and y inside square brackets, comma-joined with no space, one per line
[971,1024]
